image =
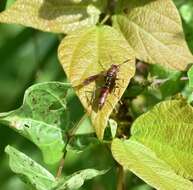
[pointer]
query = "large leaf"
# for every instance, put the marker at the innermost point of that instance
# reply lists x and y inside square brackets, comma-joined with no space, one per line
[77,179]
[31,172]
[168,129]
[41,117]
[89,52]
[61,16]
[153,29]
[143,162]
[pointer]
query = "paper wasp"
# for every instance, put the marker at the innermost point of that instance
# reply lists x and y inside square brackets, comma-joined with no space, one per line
[110,77]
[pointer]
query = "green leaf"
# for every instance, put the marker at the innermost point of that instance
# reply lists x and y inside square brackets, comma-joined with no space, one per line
[190,77]
[88,52]
[54,15]
[154,31]
[170,80]
[186,12]
[83,127]
[80,143]
[9,3]
[41,118]
[77,179]
[30,171]
[143,162]
[113,127]
[168,129]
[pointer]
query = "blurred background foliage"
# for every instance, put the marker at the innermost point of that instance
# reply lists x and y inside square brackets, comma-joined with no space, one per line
[28,56]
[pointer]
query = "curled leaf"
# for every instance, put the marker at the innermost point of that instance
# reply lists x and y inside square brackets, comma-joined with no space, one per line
[77,179]
[41,118]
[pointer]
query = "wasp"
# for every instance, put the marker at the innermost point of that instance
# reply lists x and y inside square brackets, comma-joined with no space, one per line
[110,77]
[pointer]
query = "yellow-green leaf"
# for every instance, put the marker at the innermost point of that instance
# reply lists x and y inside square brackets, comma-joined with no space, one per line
[54,15]
[143,162]
[154,31]
[168,130]
[88,52]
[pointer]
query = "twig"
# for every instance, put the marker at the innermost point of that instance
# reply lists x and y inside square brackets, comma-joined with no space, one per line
[105,19]
[121,178]
[61,166]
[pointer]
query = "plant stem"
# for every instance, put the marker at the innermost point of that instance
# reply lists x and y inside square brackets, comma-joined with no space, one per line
[105,19]
[121,178]
[61,166]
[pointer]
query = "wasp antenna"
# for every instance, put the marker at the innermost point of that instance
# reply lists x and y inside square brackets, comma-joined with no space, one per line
[102,65]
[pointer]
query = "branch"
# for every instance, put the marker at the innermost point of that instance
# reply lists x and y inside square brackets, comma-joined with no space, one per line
[121,178]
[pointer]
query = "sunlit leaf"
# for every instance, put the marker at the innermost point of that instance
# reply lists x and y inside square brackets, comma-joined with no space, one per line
[143,162]
[154,31]
[168,129]
[41,118]
[88,52]
[77,179]
[60,16]
[31,172]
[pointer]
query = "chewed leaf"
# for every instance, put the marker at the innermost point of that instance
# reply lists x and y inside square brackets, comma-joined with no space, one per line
[41,118]
[34,174]
[92,51]
[168,129]
[154,31]
[54,15]
[77,179]
[143,162]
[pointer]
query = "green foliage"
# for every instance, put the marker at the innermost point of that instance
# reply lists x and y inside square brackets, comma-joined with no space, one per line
[143,162]
[41,118]
[31,172]
[190,77]
[76,180]
[149,32]
[97,34]
[40,179]
[44,15]
[166,129]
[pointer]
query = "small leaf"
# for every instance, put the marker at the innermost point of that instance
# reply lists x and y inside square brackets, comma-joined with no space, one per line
[171,80]
[31,172]
[54,15]
[168,129]
[143,162]
[154,31]
[83,127]
[41,117]
[87,53]
[113,127]
[79,143]
[77,179]
[186,11]
[190,77]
